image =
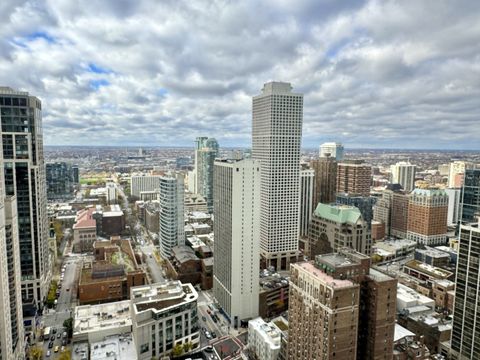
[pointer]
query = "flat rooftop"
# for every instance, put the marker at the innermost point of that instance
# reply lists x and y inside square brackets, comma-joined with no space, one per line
[433,271]
[89,318]
[118,347]
[323,277]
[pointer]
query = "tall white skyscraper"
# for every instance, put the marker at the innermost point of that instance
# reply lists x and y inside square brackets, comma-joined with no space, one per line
[237,235]
[332,149]
[172,216]
[277,135]
[307,181]
[11,320]
[24,178]
[403,173]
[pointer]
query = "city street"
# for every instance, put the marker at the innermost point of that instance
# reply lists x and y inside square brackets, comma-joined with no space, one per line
[156,271]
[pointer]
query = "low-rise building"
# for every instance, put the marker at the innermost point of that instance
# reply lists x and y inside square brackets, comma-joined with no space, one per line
[163,315]
[84,231]
[273,294]
[443,293]
[264,340]
[408,298]
[426,273]
[432,256]
[398,248]
[408,346]
[117,347]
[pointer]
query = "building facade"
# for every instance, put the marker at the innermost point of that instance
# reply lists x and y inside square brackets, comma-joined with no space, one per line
[354,177]
[363,203]
[403,173]
[237,238]
[144,183]
[325,180]
[307,181]
[172,214]
[470,196]
[264,339]
[11,320]
[465,332]
[24,171]
[206,150]
[337,226]
[163,315]
[457,172]
[427,216]
[60,181]
[276,136]
[453,206]
[333,149]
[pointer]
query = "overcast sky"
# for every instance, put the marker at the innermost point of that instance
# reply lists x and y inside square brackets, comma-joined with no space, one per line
[391,74]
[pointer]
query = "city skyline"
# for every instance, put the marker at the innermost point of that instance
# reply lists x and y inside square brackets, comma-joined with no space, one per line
[374,74]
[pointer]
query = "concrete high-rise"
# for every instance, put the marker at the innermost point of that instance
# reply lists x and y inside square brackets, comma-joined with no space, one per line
[453,205]
[144,183]
[172,216]
[403,173]
[354,177]
[307,179]
[466,315]
[457,172]
[206,150]
[427,216]
[325,180]
[237,238]
[24,170]
[340,308]
[11,320]
[470,196]
[277,135]
[332,149]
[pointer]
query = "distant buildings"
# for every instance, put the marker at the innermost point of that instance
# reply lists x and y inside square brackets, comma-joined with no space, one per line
[363,203]
[163,315]
[465,334]
[24,178]
[403,173]
[333,149]
[457,172]
[206,150]
[354,177]
[60,179]
[337,226]
[276,135]
[172,217]
[144,183]
[237,237]
[348,306]
[470,196]
[325,180]
[453,214]
[427,216]
[307,177]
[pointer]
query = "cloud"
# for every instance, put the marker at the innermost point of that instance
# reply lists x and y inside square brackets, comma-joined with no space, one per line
[374,73]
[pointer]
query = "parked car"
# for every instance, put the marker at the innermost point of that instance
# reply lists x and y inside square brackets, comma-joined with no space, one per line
[56,348]
[50,344]
[49,353]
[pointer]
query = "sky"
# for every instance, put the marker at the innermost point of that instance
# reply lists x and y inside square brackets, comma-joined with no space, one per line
[374,74]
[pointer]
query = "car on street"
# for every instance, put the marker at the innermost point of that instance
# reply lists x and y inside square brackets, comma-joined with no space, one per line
[59,335]
[214,335]
[52,338]
[50,344]
[49,353]
[68,289]
[204,318]
[56,348]
[209,348]
[54,331]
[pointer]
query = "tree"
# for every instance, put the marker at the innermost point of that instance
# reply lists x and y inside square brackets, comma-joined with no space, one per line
[68,325]
[187,346]
[177,350]
[65,355]
[36,353]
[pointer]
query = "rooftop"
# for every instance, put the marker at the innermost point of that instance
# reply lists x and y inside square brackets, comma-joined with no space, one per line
[269,333]
[323,277]
[89,318]
[118,347]
[85,219]
[433,271]
[338,213]
[401,332]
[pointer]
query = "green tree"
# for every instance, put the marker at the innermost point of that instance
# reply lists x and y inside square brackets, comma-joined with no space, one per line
[187,346]
[177,350]
[68,325]
[65,355]
[36,353]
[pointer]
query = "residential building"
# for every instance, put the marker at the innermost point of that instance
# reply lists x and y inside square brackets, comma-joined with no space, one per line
[325,180]
[363,203]
[24,177]
[141,183]
[337,226]
[457,172]
[111,193]
[470,196]
[195,202]
[333,149]
[163,315]
[399,215]
[465,334]
[403,173]
[172,214]
[237,237]
[432,256]
[307,177]
[354,177]
[378,231]
[427,216]
[453,206]
[60,181]
[325,299]
[11,320]
[276,135]
[264,339]
[206,150]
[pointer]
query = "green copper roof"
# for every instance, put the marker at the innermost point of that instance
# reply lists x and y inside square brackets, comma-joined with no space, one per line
[338,213]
